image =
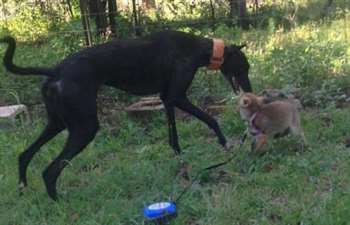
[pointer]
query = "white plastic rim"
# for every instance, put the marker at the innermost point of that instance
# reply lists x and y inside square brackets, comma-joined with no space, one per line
[159,206]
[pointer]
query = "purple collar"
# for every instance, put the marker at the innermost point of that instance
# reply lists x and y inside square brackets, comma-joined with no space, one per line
[253,129]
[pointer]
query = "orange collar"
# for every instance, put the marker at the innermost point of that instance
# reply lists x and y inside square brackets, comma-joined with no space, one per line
[217,57]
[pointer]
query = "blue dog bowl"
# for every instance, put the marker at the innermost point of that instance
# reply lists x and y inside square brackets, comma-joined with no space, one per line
[160,212]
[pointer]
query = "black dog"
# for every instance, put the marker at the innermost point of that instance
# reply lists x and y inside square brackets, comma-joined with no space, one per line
[163,63]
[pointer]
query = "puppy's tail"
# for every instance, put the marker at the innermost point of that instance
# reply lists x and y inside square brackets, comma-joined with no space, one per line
[8,61]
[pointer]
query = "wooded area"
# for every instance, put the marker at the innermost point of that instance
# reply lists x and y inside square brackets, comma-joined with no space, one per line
[109,17]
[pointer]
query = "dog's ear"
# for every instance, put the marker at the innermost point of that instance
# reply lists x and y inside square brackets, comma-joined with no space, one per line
[233,48]
[230,49]
[241,46]
[245,102]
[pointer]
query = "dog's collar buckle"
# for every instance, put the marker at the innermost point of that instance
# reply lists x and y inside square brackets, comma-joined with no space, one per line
[217,57]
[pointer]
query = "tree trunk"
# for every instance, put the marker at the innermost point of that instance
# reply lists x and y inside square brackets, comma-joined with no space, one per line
[98,13]
[212,14]
[137,29]
[239,8]
[69,4]
[233,8]
[242,14]
[326,8]
[112,12]
[149,4]
[85,22]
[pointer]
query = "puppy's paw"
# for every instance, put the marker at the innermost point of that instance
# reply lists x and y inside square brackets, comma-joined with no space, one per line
[304,147]
[258,142]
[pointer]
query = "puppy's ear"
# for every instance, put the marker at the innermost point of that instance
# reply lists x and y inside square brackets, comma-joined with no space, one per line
[245,102]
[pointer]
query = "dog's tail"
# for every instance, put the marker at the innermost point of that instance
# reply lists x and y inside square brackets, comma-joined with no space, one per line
[8,61]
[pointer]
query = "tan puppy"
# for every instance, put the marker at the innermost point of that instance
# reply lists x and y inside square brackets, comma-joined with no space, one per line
[276,119]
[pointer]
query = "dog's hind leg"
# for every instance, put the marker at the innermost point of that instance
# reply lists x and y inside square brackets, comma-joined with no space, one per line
[53,127]
[79,137]
[185,105]
[79,112]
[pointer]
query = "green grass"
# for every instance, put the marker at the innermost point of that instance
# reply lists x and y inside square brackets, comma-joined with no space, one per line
[119,172]
[130,164]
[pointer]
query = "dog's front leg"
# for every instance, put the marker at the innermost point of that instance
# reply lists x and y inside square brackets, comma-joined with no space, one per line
[173,138]
[185,105]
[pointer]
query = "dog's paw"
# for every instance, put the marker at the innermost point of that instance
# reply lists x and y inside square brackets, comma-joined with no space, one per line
[253,146]
[231,143]
[21,188]
[227,147]
[347,142]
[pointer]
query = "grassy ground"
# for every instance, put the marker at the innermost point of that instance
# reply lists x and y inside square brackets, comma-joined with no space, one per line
[120,172]
[130,164]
